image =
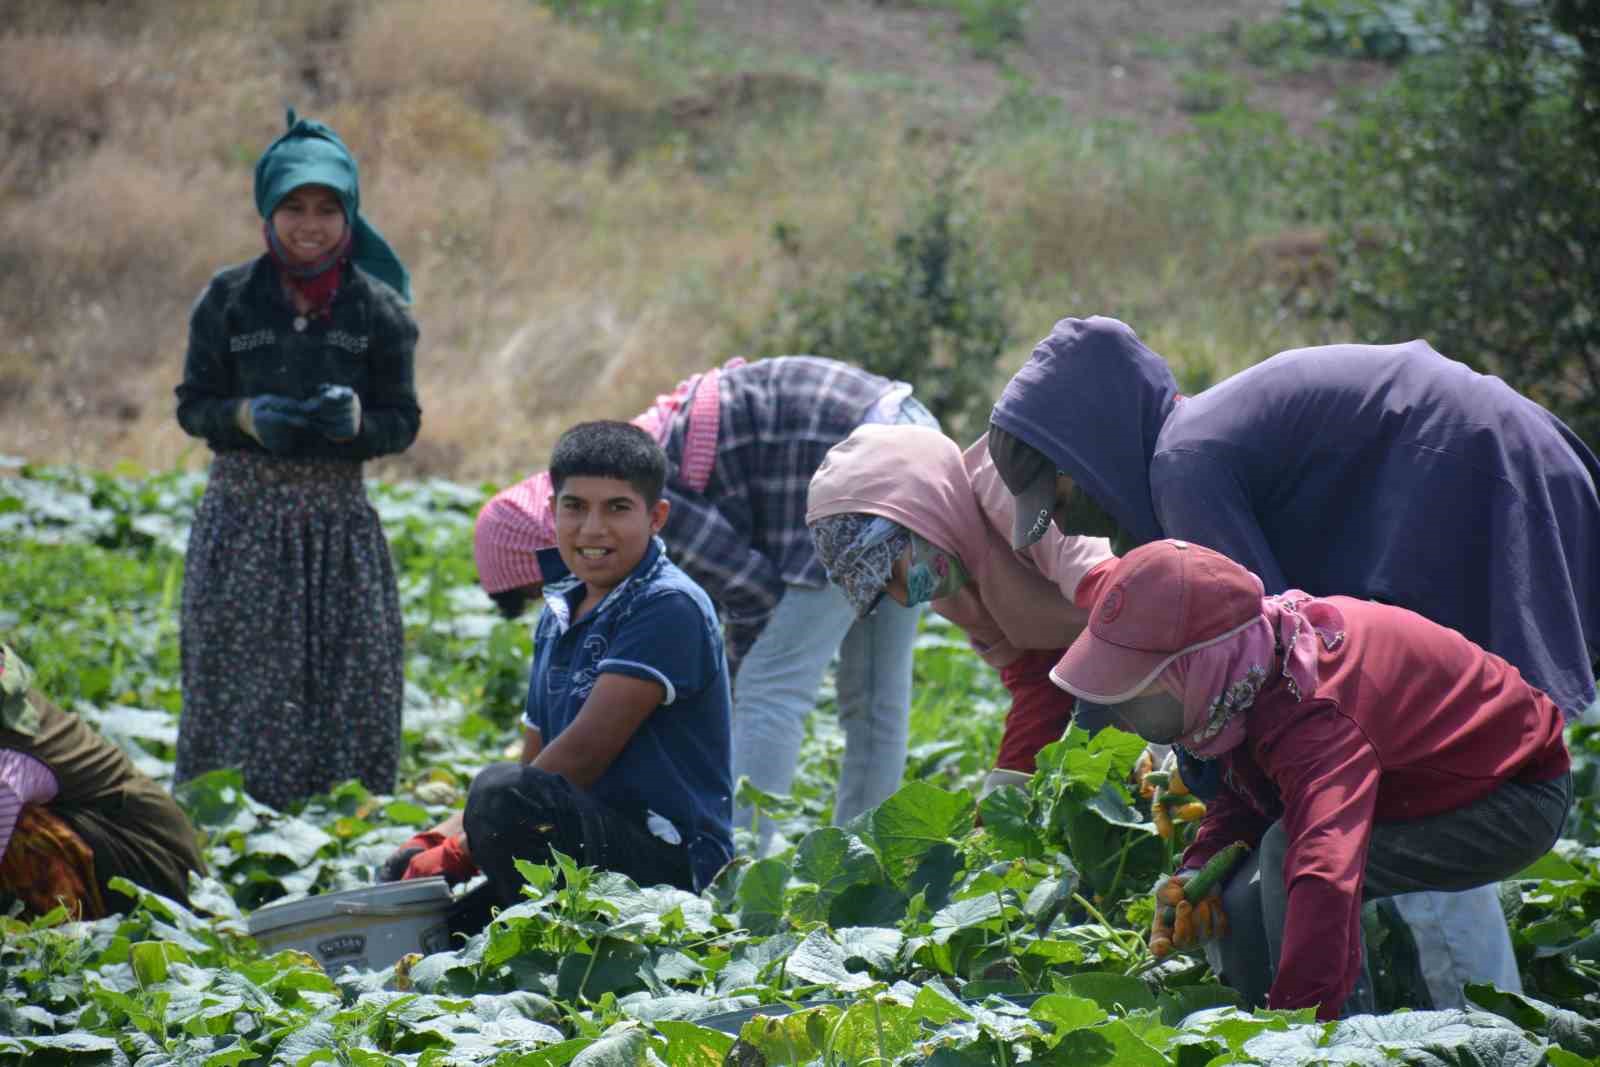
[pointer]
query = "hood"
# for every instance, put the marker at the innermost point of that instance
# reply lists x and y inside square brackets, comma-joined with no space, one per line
[1093,399]
[912,475]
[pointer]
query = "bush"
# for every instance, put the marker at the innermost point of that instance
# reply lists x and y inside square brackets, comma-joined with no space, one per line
[1465,204]
[1369,29]
[931,312]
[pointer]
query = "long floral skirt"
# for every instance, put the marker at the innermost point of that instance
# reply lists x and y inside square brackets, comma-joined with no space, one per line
[292,640]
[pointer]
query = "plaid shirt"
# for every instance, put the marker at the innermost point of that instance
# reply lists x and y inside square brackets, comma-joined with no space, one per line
[744,538]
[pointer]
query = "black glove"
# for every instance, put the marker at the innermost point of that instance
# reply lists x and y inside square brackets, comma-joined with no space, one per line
[276,421]
[338,412]
[394,868]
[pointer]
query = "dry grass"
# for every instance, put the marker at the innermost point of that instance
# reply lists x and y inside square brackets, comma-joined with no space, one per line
[583,228]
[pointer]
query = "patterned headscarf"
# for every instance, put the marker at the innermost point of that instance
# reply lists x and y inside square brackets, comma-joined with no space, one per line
[514,538]
[858,552]
[1218,683]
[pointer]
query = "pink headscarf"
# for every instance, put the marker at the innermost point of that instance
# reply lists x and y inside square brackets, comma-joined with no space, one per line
[1219,682]
[705,420]
[511,527]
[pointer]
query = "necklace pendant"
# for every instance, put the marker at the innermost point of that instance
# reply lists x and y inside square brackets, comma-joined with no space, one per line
[299,324]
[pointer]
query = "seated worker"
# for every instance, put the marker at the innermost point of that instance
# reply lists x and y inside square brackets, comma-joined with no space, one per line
[1364,751]
[742,443]
[902,510]
[625,762]
[75,812]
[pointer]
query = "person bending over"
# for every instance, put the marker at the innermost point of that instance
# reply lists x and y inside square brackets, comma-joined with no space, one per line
[75,812]
[903,512]
[1364,751]
[625,762]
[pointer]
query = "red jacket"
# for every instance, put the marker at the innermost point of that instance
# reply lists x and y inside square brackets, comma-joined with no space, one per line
[1409,719]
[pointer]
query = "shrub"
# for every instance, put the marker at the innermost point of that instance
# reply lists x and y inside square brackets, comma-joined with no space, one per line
[1466,209]
[1201,92]
[930,312]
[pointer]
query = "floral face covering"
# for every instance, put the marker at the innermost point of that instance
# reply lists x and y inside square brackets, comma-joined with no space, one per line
[933,573]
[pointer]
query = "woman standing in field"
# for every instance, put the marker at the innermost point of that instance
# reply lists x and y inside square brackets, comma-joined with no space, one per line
[299,368]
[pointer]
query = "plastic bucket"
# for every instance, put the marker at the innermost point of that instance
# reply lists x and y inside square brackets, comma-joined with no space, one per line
[369,927]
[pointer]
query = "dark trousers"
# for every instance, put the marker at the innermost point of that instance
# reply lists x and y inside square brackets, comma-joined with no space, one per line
[515,812]
[1483,842]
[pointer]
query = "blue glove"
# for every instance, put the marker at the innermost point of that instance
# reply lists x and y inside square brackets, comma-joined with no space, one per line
[338,412]
[276,421]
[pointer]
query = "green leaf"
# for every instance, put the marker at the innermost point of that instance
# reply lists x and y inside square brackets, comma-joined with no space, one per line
[1443,1037]
[914,821]
[294,839]
[407,814]
[1118,993]
[964,915]
[1087,771]
[622,1046]
[878,947]
[1123,747]
[1178,1004]
[878,1030]
[820,960]
[689,1045]
[1552,867]
[1110,804]
[795,1038]
[1065,1013]
[150,960]
[867,905]
[835,861]
[938,1006]
[1571,1031]
[761,895]
[613,967]
[1006,818]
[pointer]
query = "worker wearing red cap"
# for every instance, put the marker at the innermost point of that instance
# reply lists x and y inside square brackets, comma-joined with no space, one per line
[1364,751]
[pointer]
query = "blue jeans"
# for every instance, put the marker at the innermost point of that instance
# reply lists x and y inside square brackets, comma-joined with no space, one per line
[776,690]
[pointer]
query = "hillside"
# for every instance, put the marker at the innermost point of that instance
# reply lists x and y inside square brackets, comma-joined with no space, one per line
[590,214]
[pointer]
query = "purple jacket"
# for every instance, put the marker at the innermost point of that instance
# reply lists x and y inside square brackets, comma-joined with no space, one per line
[1378,471]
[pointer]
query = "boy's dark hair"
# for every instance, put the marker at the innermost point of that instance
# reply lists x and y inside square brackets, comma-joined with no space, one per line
[609,449]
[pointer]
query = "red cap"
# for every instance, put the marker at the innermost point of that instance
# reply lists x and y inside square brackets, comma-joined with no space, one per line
[1163,599]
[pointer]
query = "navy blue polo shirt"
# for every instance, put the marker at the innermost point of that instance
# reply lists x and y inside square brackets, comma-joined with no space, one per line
[660,626]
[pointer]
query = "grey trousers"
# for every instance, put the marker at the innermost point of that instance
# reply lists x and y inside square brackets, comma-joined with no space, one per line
[1489,839]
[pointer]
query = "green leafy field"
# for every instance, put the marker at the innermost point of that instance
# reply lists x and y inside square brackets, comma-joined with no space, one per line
[926,939]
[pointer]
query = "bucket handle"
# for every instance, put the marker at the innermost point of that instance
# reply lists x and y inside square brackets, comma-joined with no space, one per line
[376,911]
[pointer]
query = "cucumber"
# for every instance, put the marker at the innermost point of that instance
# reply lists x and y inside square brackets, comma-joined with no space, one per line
[1216,869]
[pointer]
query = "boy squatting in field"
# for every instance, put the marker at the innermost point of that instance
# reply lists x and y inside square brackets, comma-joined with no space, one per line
[625,763]
[75,812]
[1363,751]
[742,442]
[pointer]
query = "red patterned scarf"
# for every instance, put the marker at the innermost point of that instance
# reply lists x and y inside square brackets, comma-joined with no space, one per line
[46,863]
[317,282]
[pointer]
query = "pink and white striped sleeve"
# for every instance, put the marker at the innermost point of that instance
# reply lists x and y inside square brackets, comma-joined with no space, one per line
[23,780]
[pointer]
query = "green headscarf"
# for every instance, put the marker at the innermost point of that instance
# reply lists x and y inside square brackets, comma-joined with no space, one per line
[310,153]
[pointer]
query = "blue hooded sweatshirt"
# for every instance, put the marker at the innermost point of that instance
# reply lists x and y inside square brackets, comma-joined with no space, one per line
[1380,471]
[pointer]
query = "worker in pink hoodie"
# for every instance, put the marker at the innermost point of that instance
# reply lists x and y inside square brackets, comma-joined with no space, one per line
[900,510]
